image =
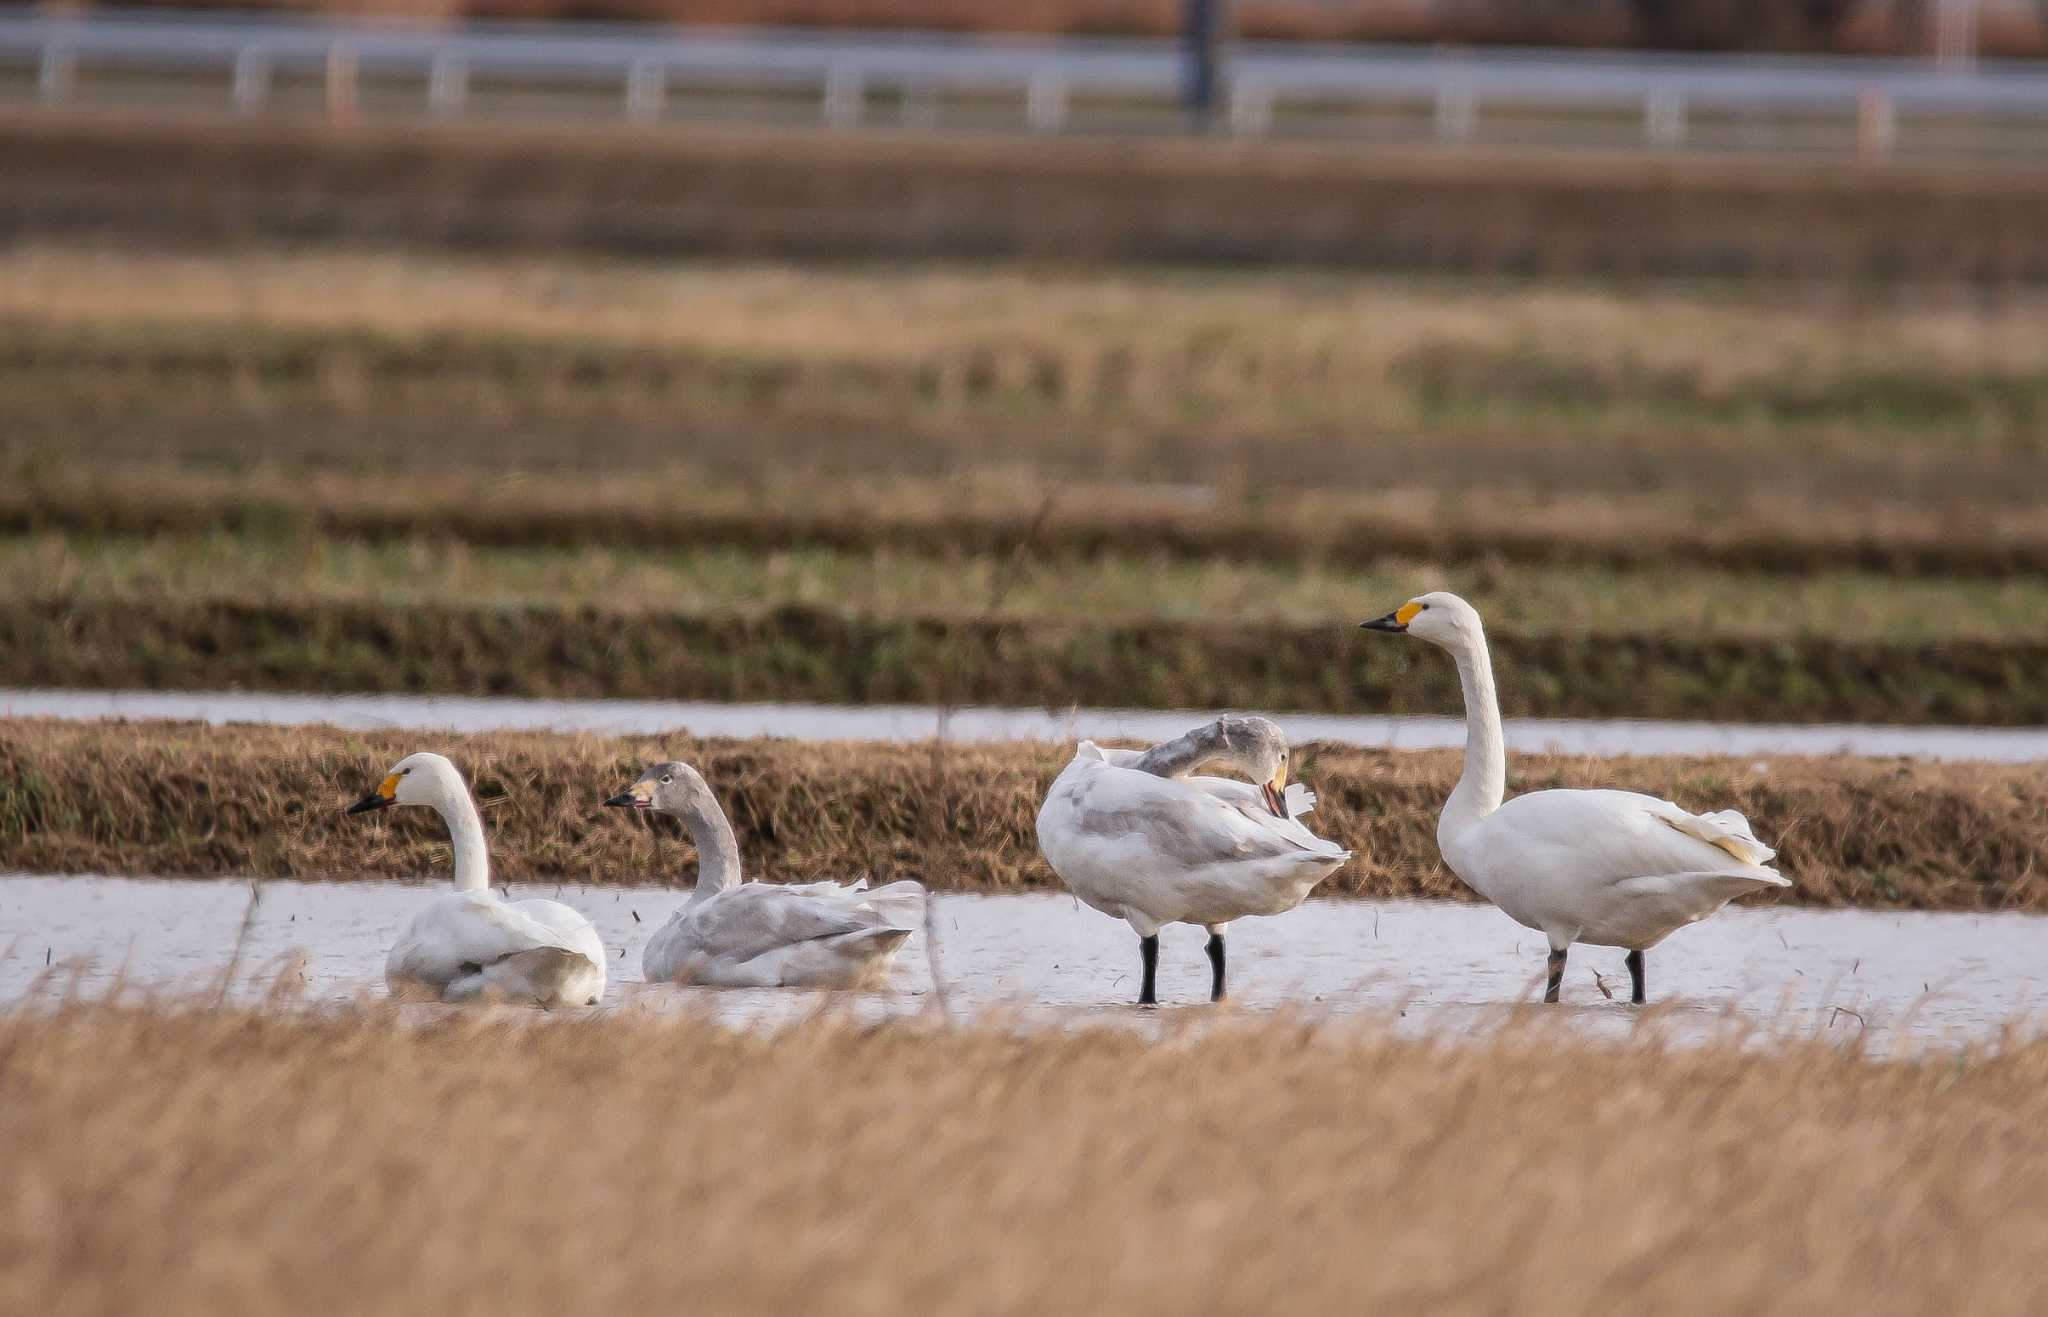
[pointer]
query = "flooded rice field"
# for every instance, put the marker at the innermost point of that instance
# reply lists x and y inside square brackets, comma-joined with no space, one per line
[1897,978]
[921,722]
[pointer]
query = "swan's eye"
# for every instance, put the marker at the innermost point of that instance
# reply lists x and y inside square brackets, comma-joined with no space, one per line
[667,778]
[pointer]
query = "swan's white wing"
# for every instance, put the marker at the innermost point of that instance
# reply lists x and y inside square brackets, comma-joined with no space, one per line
[1155,851]
[1615,836]
[1609,867]
[1251,802]
[464,931]
[1184,824]
[753,919]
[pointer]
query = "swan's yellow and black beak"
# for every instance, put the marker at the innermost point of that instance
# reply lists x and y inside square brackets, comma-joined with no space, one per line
[384,797]
[638,796]
[1396,621]
[1276,794]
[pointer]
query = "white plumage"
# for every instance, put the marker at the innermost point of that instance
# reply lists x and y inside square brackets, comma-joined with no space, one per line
[1155,850]
[471,944]
[1611,868]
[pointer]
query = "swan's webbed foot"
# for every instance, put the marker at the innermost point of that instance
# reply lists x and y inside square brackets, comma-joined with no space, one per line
[1148,951]
[1216,966]
[1635,978]
[1556,975]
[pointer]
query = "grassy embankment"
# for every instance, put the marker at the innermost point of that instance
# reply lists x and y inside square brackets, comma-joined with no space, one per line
[186,800]
[205,1161]
[356,471]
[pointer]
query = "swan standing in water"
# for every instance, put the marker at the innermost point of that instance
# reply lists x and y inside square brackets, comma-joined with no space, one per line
[1612,868]
[1135,835]
[472,944]
[737,934]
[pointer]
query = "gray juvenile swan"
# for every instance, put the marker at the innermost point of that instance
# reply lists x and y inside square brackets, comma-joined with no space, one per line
[1136,835]
[738,934]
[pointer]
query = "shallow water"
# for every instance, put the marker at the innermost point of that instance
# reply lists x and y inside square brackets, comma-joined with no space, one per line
[1433,966]
[902,722]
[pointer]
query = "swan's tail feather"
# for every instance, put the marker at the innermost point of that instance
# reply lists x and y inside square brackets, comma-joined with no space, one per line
[541,974]
[900,903]
[1726,829]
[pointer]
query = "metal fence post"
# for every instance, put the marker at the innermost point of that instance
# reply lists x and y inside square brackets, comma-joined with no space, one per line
[341,82]
[1457,111]
[1664,118]
[844,91]
[57,74]
[1045,103]
[252,79]
[1877,124]
[1251,107]
[1205,31]
[646,91]
[447,85]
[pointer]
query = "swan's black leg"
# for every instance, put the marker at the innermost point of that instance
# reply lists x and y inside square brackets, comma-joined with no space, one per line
[1635,977]
[1148,948]
[1556,976]
[1216,964]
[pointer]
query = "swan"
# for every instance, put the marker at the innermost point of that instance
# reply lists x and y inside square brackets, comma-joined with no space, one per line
[1135,835]
[737,934]
[471,944]
[1609,868]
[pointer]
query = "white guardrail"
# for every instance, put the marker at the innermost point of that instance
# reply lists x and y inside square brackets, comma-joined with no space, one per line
[849,78]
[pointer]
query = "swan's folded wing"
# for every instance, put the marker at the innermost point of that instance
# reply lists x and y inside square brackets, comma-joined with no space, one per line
[1726,830]
[471,928]
[1196,822]
[752,919]
[1618,836]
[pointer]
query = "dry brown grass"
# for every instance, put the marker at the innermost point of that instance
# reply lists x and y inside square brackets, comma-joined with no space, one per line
[177,799]
[174,1161]
[974,346]
[1355,520]
[207,177]
[788,652]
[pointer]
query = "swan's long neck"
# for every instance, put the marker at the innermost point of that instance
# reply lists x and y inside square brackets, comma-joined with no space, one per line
[1176,758]
[1485,779]
[718,851]
[466,834]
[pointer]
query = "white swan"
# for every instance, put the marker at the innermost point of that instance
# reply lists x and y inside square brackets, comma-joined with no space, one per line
[1138,838]
[472,944]
[1612,868]
[736,934]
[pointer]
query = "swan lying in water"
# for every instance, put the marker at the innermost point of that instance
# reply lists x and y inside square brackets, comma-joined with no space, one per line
[737,934]
[472,944]
[1135,835]
[1612,868]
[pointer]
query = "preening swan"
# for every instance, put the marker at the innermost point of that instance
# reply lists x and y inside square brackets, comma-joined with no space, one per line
[472,944]
[737,934]
[1139,838]
[1613,868]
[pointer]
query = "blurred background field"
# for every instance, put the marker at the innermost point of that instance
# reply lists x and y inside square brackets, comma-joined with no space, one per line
[1048,483]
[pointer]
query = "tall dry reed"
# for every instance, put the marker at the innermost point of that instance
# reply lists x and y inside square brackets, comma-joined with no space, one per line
[177,1161]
